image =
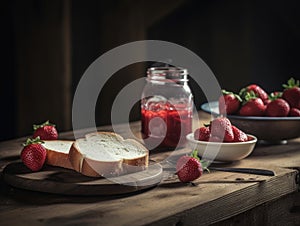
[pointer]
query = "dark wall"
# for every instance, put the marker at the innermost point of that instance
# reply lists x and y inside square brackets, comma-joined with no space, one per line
[243,42]
[8,73]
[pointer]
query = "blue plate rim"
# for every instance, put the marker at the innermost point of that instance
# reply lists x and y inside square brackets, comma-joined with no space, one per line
[205,108]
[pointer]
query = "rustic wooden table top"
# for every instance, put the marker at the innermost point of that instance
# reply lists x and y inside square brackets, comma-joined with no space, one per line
[213,197]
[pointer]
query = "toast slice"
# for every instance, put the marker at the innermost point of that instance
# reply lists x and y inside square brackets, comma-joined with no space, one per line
[58,153]
[107,154]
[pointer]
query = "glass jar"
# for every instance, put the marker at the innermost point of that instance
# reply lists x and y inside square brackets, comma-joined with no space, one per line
[166,107]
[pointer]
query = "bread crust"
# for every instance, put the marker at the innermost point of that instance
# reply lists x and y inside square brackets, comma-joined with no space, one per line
[55,158]
[95,168]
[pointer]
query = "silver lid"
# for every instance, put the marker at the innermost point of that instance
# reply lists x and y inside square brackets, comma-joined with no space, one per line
[175,74]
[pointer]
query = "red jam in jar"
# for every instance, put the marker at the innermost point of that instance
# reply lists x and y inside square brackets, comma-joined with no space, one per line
[166,108]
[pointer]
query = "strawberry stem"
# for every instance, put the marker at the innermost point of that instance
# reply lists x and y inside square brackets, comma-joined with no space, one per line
[291,83]
[248,96]
[194,154]
[204,165]
[36,140]
[47,123]
[238,98]
[225,92]
[274,96]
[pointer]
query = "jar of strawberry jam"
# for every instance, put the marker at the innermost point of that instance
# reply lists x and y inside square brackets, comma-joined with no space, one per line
[166,108]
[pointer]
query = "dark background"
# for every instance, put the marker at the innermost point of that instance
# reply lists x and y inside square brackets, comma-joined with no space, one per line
[47,46]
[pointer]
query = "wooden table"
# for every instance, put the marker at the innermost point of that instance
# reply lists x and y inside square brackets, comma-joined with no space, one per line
[219,198]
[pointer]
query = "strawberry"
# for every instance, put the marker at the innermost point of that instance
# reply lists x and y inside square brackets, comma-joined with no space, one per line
[215,139]
[202,134]
[239,135]
[259,92]
[221,127]
[189,168]
[267,102]
[277,108]
[294,112]
[273,96]
[229,103]
[253,106]
[33,154]
[292,93]
[45,131]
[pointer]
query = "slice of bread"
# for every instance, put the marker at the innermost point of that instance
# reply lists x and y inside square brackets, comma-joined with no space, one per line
[58,153]
[107,154]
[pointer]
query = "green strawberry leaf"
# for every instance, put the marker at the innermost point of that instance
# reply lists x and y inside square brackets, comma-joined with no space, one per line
[225,92]
[47,123]
[194,154]
[291,83]
[248,96]
[204,165]
[238,97]
[274,96]
[36,140]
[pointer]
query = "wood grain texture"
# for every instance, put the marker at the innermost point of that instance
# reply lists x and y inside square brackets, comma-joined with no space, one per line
[216,196]
[68,182]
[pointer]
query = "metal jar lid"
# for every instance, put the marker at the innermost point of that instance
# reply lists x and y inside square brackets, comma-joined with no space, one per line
[176,74]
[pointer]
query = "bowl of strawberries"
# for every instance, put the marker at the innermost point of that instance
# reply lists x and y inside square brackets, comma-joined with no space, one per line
[272,118]
[221,141]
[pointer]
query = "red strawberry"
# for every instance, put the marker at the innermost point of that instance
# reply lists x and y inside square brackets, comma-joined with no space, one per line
[273,96]
[202,133]
[294,112]
[267,102]
[259,92]
[239,135]
[215,139]
[229,103]
[253,106]
[292,93]
[221,127]
[277,108]
[33,154]
[189,168]
[45,131]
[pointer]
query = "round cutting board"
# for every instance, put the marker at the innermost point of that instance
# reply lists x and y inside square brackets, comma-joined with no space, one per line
[68,182]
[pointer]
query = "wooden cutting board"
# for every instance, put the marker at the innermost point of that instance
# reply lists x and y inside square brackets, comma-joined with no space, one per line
[68,182]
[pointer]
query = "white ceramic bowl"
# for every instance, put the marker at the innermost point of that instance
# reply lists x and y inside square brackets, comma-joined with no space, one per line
[224,152]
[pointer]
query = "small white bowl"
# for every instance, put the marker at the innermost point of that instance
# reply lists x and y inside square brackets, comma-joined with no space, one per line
[224,152]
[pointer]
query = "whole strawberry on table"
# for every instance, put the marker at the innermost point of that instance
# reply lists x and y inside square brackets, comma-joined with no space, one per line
[189,168]
[45,131]
[253,100]
[33,155]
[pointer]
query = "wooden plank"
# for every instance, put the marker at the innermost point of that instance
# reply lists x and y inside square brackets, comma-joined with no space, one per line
[168,204]
[216,197]
[277,212]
